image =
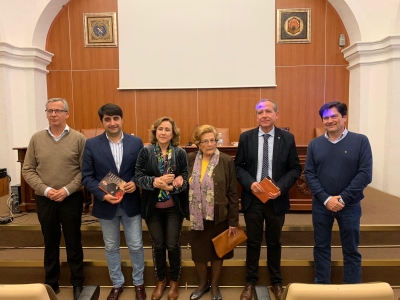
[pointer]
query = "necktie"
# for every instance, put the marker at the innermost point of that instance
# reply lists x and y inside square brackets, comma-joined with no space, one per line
[265,167]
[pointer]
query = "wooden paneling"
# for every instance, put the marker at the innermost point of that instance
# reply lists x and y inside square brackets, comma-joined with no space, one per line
[307,75]
[58,42]
[304,54]
[180,105]
[233,108]
[299,94]
[90,58]
[334,55]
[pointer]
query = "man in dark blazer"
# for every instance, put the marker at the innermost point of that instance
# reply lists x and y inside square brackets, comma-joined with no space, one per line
[116,151]
[265,151]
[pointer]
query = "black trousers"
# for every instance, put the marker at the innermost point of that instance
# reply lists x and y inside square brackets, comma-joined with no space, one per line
[255,216]
[54,216]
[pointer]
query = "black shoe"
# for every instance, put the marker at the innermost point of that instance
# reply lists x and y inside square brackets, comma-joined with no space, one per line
[198,295]
[77,291]
[216,297]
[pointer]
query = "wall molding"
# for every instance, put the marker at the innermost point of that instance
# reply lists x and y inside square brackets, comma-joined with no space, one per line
[25,58]
[371,53]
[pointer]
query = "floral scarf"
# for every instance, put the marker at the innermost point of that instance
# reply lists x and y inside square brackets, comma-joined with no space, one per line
[163,165]
[201,194]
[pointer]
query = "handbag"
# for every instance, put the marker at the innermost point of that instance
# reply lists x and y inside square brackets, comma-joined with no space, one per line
[224,244]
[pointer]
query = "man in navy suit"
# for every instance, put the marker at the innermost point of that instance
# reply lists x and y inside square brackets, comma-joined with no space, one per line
[265,151]
[116,151]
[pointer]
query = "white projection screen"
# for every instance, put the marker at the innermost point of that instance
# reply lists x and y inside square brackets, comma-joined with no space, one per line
[178,44]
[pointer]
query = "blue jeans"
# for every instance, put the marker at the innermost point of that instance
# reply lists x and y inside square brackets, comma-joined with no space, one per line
[133,236]
[348,220]
[165,226]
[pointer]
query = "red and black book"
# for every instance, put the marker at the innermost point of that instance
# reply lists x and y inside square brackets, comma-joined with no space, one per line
[113,185]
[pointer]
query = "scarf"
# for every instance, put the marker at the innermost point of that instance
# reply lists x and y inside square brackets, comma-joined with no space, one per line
[201,194]
[163,165]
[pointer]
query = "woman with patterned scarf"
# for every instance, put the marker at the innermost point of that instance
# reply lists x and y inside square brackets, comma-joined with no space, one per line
[213,206]
[161,173]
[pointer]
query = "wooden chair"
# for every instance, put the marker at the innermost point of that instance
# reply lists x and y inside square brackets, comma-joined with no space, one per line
[360,291]
[225,136]
[318,131]
[91,132]
[246,129]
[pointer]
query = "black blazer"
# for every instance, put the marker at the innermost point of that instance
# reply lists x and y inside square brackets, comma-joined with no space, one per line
[286,167]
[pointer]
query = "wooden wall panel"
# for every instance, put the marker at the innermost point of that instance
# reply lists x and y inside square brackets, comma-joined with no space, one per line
[307,75]
[58,42]
[233,108]
[300,91]
[304,54]
[180,105]
[88,58]
[335,27]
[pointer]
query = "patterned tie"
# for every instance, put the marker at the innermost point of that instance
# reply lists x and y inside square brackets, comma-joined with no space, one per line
[264,171]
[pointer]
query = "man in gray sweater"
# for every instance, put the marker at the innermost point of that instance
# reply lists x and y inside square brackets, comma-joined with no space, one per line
[52,167]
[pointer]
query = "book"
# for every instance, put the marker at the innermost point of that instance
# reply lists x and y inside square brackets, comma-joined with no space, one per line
[113,185]
[269,186]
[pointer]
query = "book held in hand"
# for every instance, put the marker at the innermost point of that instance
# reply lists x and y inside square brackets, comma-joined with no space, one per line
[113,185]
[269,186]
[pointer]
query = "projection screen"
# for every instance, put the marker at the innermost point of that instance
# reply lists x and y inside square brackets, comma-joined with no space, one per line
[178,44]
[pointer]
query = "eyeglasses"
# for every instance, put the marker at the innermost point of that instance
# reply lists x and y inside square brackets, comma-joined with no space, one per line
[57,111]
[205,142]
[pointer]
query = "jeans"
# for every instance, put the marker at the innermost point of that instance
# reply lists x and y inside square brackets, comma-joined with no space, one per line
[254,217]
[348,220]
[133,236]
[54,216]
[165,227]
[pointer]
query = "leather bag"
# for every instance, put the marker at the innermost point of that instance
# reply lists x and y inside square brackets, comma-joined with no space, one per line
[224,244]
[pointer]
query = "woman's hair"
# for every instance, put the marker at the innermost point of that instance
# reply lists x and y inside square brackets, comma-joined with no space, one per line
[176,135]
[202,130]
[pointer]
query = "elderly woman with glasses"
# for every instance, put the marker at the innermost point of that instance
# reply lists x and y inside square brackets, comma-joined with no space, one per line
[161,172]
[213,206]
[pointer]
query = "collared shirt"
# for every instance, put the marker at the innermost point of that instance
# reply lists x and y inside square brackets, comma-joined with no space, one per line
[261,150]
[65,131]
[117,150]
[341,137]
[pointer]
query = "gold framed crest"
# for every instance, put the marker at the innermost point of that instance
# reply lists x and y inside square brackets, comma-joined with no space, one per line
[294,25]
[100,29]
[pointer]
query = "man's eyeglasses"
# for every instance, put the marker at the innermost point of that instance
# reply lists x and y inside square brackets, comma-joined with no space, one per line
[205,142]
[57,111]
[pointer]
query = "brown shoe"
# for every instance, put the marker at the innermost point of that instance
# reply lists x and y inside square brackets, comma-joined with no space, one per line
[115,292]
[278,291]
[140,292]
[247,293]
[159,289]
[173,290]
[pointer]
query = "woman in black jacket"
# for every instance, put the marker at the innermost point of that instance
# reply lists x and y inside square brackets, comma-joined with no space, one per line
[161,173]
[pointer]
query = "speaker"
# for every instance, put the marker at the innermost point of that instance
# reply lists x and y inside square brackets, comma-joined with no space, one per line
[15,194]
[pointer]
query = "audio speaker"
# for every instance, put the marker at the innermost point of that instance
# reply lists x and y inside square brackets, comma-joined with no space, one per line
[16,194]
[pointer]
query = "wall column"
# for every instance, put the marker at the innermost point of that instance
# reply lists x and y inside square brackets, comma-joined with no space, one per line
[23,94]
[374,105]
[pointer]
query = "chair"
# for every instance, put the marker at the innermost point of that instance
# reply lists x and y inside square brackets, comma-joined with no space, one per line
[91,132]
[225,136]
[360,291]
[40,291]
[246,129]
[318,131]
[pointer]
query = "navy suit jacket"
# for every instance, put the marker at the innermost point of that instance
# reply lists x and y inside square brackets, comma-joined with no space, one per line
[286,167]
[98,161]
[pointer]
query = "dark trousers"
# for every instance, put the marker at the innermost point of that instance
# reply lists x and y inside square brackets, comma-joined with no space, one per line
[54,216]
[165,226]
[255,216]
[348,220]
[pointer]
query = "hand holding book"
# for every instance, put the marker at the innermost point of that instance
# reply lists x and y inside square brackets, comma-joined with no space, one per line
[113,185]
[268,187]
